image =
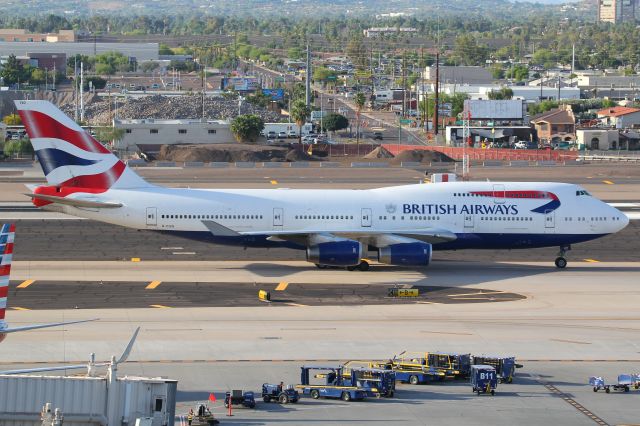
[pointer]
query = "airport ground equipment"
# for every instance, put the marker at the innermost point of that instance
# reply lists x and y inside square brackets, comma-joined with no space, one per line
[636,380]
[238,397]
[333,385]
[204,416]
[505,366]
[427,362]
[376,381]
[272,392]
[484,379]
[624,383]
[413,375]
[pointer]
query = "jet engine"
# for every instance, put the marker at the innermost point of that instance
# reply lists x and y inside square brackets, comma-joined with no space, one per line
[407,254]
[335,253]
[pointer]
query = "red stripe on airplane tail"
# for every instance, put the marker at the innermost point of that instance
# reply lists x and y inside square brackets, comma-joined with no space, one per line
[5,270]
[8,249]
[4,290]
[40,125]
[12,227]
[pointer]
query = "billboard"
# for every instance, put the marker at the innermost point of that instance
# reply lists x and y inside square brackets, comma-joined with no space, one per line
[276,94]
[240,84]
[495,110]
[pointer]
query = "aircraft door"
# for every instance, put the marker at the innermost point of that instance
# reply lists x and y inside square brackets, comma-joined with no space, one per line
[468,222]
[278,217]
[366,218]
[549,221]
[498,194]
[152,216]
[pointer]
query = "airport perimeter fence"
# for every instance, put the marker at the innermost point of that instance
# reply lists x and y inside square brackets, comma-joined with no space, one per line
[491,154]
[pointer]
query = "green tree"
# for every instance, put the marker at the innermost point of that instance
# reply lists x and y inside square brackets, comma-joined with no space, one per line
[300,112]
[12,120]
[22,146]
[322,74]
[148,66]
[247,128]
[334,122]
[295,53]
[505,93]
[38,76]
[259,99]
[497,72]
[109,134]
[357,52]
[12,71]
[163,49]
[518,72]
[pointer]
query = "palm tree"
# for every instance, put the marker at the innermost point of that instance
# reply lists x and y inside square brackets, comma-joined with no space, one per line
[359,100]
[299,113]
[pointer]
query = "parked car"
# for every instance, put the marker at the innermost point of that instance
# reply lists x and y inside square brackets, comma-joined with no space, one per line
[377,136]
[282,135]
[520,145]
[293,134]
[272,135]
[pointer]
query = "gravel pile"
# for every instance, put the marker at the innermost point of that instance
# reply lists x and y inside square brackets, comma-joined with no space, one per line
[170,108]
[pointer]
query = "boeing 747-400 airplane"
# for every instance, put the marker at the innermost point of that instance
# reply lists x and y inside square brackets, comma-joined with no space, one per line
[335,227]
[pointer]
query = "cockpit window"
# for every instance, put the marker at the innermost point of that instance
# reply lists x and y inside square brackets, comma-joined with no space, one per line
[582,192]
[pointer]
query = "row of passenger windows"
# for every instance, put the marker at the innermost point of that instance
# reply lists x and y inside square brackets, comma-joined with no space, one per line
[593,219]
[507,218]
[325,217]
[210,216]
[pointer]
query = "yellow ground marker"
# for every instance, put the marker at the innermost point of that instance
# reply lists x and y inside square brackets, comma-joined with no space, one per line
[18,308]
[25,284]
[591,260]
[608,182]
[135,259]
[152,285]
[282,286]
[160,306]
[274,182]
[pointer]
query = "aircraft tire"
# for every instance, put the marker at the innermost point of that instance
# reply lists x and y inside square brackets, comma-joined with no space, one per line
[561,262]
[363,266]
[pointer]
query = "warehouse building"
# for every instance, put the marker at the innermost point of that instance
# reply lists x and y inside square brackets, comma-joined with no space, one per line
[149,135]
[139,52]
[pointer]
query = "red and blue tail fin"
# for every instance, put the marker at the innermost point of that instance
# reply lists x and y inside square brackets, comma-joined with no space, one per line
[7,232]
[70,157]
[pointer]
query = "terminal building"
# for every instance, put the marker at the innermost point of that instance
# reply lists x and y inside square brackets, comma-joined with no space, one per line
[149,135]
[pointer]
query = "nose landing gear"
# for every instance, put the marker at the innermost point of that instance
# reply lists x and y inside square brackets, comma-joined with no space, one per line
[561,261]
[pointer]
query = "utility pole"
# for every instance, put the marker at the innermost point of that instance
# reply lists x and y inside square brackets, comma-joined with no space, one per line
[558,89]
[404,85]
[308,78]
[75,87]
[81,91]
[436,96]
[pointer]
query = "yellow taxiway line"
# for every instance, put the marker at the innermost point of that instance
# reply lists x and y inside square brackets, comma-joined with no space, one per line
[26,283]
[152,285]
[282,286]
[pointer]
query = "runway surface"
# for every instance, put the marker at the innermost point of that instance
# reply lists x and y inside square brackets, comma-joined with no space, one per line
[70,240]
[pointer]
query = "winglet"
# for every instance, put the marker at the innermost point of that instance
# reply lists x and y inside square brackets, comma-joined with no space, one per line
[127,350]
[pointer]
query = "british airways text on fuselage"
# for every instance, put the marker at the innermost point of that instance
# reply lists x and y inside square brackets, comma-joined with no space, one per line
[452,209]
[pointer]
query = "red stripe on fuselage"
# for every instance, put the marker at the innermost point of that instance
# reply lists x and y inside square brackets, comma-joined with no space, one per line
[40,125]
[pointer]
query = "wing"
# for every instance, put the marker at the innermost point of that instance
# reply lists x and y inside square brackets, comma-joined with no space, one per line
[376,239]
[37,326]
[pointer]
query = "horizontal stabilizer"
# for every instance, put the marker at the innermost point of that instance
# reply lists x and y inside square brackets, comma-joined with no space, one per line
[75,202]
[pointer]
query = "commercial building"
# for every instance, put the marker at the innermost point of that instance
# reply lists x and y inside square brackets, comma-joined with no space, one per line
[556,125]
[620,117]
[616,11]
[597,139]
[380,31]
[137,51]
[149,135]
[614,86]
[459,75]
[525,93]
[22,36]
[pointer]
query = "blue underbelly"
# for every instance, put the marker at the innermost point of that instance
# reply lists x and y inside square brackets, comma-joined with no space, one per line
[464,241]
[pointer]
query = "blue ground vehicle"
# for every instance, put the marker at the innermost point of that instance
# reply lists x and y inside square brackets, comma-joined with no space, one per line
[332,384]
[625,381]
[279,393]
[238,397]
[484,379]
[505,366]
[435,365]
[376,382]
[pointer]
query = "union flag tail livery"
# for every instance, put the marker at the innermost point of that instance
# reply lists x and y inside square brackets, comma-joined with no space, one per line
[336,227]
[72,160]
[7,233]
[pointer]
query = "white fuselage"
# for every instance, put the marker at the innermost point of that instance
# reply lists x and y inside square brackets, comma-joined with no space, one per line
[493,210]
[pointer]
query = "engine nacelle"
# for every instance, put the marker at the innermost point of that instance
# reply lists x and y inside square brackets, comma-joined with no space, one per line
[336,253]
[408,254]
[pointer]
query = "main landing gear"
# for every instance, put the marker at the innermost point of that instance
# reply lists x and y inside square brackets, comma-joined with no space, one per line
[561,260]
